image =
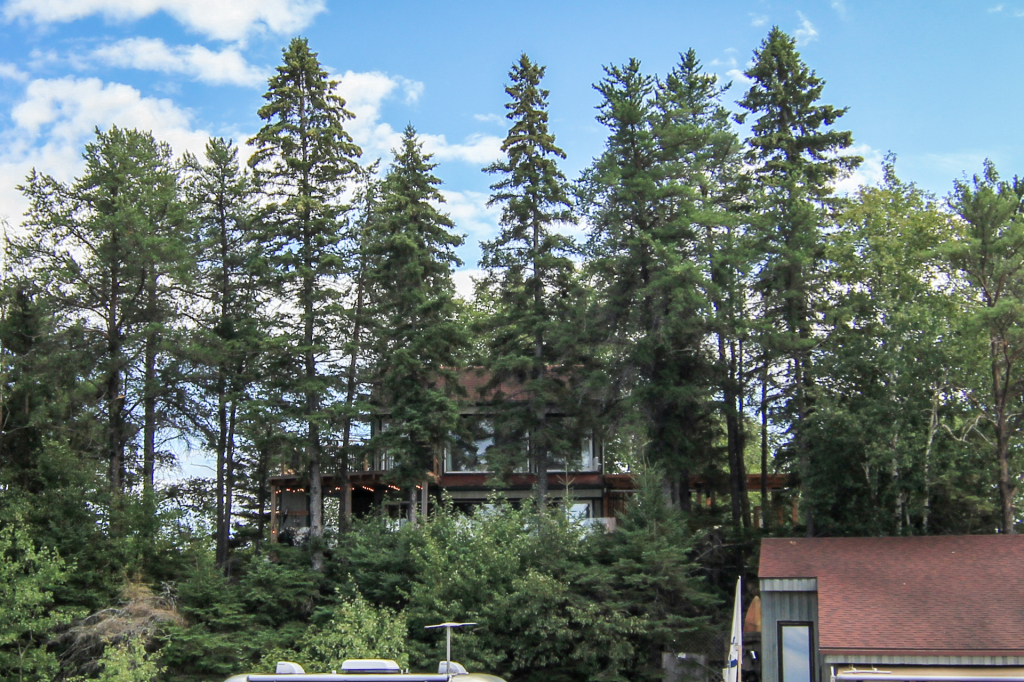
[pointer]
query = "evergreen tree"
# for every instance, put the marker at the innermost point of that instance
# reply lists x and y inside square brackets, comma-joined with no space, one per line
[417,338]
[108,251]
[701,154]
[796,157]
[646,257]
[531,279]
[303,160]
[228,338]
[989,255]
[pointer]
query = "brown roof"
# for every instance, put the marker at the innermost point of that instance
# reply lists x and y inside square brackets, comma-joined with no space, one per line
[958,595]
[475,380]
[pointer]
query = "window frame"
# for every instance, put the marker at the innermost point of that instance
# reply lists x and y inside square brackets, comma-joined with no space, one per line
[780,646]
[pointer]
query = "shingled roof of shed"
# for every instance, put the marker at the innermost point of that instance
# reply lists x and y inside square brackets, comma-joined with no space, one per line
[939,595]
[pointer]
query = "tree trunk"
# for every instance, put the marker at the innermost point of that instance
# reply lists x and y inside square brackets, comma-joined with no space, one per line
[316,527]
[221,552]
[150,389]
[539,370]
[766,516]
[115,399]
[149,405]
[344,510]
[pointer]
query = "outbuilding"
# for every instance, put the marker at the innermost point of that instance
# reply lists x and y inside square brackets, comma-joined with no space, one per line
[912,609]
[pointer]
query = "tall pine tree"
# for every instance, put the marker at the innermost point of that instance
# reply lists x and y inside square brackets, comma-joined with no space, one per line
[532,280]
[646,258]
[304,159]
[107,250]
[418,338]
[702,158]
[228,293]
[797,157]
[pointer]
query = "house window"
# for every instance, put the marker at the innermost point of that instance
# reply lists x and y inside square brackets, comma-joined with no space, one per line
[586,460]
[470,454]
[796,652]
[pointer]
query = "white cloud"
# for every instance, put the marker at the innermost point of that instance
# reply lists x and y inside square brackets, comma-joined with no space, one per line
[227,67]
[738,76]
[840,7]
[412,89]
[806,33]
[56,117]
[997,8]
[11,72]
[733,73]
[477,149]
[365,94]
[471,213]
[490,118]
[758,19]
[219,19]
[465,283]
[869,173]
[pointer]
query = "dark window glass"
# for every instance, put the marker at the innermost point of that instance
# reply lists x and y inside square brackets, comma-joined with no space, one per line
[795,652]
[470,454]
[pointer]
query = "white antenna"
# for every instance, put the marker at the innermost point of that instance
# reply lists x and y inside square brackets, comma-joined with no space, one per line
[448,627]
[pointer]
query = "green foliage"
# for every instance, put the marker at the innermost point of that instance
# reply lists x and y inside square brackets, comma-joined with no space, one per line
[417,339]
[28,576]
[988,253]
[224,349]
[128,662]
[646,259]
[303,160]
[553,598]
[107,252]
[355,628]
[797,156]
[533,293]
[896,353]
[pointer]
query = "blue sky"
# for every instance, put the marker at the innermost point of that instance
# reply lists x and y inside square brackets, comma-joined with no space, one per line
[936,82]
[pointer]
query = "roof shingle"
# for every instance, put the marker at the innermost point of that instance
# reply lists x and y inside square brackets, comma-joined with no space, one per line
[955,595]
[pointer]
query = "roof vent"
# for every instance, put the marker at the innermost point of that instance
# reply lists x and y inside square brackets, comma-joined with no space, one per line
[375,666]
[289,668]
[450,668]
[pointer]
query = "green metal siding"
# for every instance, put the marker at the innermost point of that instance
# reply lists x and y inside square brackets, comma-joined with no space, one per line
[785,606]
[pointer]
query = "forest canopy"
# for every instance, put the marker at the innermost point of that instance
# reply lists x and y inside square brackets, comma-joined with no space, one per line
[728,313]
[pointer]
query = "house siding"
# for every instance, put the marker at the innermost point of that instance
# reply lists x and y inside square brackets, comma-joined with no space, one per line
[782,605]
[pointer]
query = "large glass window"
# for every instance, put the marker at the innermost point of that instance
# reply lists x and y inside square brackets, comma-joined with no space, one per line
[470,454]
[586,460]
[796,661]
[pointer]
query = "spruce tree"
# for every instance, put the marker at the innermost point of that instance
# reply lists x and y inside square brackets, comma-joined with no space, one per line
[647,260]
[228,293]
[532,284]
[417,336]
[701,158]
[796,156]
[303,160]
